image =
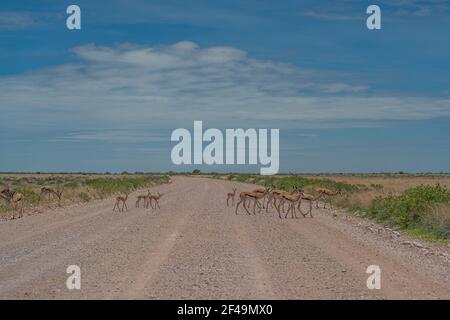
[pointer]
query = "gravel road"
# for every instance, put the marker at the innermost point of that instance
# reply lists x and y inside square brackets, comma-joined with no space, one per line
[196,247]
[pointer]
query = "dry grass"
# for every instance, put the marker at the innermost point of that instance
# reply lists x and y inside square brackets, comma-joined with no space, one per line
[394,183]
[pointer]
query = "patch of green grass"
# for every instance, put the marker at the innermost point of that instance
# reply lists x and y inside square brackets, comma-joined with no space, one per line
[425,235]
[84,197]
[30,195]
[376,186]
[107,186]
[411,210]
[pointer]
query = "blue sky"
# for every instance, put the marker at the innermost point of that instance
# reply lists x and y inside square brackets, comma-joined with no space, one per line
[106,98]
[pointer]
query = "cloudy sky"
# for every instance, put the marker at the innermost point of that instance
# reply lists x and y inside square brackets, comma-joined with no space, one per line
[108,96]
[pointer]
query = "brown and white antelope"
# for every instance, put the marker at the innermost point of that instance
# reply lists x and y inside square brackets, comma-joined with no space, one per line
[327,194]
[311,199]
[256,196]
[50,192]
[121,199]
[14,199]
[155,198]
[292,199]
[5,194]
[144,198]
[231,195]
[273,197]
[17,200]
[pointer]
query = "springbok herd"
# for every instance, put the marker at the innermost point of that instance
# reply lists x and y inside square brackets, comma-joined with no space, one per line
[146,199]
[271,197]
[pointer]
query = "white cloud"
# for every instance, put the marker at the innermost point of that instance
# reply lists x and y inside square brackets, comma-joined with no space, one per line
[10,20]
[343,87]
[166,86]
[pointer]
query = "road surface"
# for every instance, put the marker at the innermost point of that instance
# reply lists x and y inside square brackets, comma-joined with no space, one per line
[196,247]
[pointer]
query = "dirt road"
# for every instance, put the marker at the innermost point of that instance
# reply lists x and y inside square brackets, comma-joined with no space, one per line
[196,247]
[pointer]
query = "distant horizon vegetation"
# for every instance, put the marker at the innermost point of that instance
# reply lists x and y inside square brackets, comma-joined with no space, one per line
[199,172]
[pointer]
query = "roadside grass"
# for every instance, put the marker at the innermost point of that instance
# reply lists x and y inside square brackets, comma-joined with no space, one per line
[76,188]
[422,211]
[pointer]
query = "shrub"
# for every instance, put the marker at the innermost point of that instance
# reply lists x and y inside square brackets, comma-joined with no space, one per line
[411,209]
[84,197]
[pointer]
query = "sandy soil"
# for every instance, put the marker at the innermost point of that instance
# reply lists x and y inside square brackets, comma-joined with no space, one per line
[196,247]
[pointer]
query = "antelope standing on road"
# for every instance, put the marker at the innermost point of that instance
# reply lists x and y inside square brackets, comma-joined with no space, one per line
[156,198]
[231,195]
[274,195]
[327,194]
[265,192]
[17,200]
[144,198]
[292,198]
[121,199]
[256,196]
[311,199]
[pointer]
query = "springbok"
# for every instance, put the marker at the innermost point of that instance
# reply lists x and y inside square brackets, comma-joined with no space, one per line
[5,194]
[292,199]
[256,196]
[265,192]
[121,199]
[274,195]
[327,194]
[231,195]
[156,198]
[17,199]
[144,198]
[311,199]
[49,191]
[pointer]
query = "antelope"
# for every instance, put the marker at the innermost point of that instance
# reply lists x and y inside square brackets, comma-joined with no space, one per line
[292,198]
[156,198]
[231,195]
[5,194]
[49,191]
[274,195]
[121,199]
[13,198]
[311,200]
[17,198]
[143,197]
[254,195]
[327,194]
[265,191]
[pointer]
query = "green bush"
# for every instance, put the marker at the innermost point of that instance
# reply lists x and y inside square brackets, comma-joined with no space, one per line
[288,182]
[84,197]
[31,197]
[106,186]
[411,209]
